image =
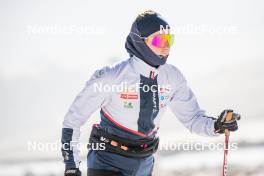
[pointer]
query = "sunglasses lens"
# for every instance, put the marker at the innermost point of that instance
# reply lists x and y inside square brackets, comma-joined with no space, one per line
[170,39]
[157,40]
[163,40]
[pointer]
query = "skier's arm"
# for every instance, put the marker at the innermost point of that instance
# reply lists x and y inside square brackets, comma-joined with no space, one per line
[186,108]
[87,101]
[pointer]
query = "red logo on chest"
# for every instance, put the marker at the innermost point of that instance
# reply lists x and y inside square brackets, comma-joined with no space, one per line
[129,96]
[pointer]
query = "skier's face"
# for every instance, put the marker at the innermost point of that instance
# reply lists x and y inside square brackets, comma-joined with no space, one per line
[163,49]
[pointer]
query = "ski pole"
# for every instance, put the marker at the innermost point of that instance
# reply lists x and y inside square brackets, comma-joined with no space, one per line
[227,133]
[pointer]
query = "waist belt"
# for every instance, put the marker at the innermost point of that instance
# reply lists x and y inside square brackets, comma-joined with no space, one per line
[130,148]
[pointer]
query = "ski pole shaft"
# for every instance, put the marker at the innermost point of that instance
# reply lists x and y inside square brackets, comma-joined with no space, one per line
[227,133]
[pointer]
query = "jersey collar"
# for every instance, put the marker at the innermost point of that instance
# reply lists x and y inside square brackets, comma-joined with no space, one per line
[143,68]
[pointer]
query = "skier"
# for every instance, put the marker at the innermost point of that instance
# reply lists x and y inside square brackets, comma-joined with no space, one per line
[130,117]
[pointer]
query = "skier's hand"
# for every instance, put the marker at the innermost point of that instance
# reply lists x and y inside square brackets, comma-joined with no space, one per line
[72,172]
[221,124]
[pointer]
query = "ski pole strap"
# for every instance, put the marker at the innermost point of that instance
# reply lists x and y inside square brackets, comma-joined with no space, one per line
[229,117]
[130,148]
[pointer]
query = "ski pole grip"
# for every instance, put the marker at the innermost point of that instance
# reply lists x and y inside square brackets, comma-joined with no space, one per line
[229,117]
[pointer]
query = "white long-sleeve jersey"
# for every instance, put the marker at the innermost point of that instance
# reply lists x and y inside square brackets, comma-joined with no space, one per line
[133,96]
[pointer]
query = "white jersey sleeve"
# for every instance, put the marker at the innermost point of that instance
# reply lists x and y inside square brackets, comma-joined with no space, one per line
[87,101]
[186,108]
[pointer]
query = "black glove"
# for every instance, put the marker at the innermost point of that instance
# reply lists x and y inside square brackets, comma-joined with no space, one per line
[73,172]
[221,124]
